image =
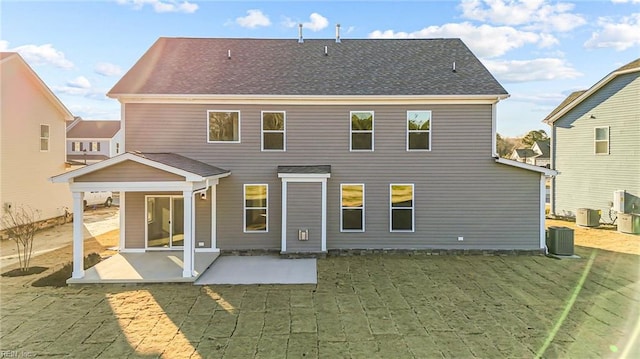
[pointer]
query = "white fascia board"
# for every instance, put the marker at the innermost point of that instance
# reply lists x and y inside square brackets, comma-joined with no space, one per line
[162,186]
[304,177]
[69,176]
[587,94]
[310,100]
[526,166]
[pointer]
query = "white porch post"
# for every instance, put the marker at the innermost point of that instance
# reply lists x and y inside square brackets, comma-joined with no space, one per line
[121,206]
[214,217]
[324,216]
[78,235]
[284,216]
[187,270]
[543,200]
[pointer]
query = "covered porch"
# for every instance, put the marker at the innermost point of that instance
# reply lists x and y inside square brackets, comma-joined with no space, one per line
[187,186]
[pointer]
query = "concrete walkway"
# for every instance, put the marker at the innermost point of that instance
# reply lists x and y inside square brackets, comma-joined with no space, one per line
[260,270]
[96,222]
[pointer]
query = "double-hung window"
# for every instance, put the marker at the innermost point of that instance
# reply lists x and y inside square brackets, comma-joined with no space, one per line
[44,138]
[352,207]
[94,146]
[601,140]
[361,130]
[401,208]
[223,126]
[418,130]
[255,208]
[77,146]
[273,131]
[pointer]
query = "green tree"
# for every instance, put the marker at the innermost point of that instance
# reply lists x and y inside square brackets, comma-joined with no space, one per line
[530,138]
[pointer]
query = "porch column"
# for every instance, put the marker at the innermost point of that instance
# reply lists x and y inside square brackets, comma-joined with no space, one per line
[214,217]
[283,245]
[187,270]
[78,235]
[324,216]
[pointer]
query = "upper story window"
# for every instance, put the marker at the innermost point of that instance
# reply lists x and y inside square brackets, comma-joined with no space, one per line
[401,211]
[273,131]
[361,130]
[44,138]
[255,208]
[601,140]
[223,126]
[352,207]
[77,146]
[418,130]
[94,146]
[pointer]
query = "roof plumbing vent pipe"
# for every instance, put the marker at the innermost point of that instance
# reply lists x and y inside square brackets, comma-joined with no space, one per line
[300,40]
[337,33]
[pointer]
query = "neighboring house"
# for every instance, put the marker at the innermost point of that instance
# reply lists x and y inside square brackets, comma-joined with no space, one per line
[93,141]
[596,145]
[313,146]
[537,155]
[32,140]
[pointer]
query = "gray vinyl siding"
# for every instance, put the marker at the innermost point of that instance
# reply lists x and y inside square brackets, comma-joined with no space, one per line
[459,189]
[129,171]
[587,180]
[135,219]
[105,147]
[304,211]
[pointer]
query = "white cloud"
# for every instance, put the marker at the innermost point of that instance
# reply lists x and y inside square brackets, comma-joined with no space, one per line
[75,90]
[39,54]
[484,40]
[317,23]
[253,19]
[535,14]
[543,69]
[80,82]
[162,6]
[107,69]
[620,35]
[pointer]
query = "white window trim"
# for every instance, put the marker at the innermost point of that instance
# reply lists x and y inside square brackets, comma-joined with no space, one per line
[413,206]
[343,208]
[147,222]
[97,146]
[80,146]
[244,207]
[595,141]
[372,131]
[48,138]
[239,126]
[419,131]
[283,131]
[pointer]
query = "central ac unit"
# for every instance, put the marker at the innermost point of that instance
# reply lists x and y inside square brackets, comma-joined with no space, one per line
[560,240]
[587,217]
[629,223]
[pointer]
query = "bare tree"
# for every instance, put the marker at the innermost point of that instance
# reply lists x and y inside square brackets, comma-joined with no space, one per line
[21,225]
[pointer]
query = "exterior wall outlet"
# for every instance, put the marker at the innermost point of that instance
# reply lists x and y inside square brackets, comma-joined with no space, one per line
[460,239]
[200,244]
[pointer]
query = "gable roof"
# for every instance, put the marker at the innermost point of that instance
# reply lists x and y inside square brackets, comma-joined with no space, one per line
[525,153]
[366,67]
[46,91]
[189,168]
[577,97]
[93,129]
[545,148]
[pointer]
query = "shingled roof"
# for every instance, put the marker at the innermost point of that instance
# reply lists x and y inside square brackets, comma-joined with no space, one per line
[371,67]
[93,129]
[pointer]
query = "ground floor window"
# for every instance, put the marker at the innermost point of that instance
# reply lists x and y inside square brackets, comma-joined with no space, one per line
[352,207]
[401,208]
[255,208]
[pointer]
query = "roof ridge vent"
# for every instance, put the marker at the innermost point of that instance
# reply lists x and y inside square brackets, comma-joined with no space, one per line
[300,39]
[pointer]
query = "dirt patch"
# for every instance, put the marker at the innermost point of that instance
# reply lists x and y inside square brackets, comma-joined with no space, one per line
[59,277]
[602,237]
[20,273]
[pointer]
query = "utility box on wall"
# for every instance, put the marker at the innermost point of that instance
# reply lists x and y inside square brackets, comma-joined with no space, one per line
[618,201]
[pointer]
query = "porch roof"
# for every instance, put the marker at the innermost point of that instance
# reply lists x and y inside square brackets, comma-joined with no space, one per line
[321,169]
[192,170]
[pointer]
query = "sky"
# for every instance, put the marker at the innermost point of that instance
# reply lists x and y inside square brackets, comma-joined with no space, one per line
[539,50]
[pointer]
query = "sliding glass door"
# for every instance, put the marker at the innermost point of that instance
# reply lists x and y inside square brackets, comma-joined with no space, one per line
[165,222]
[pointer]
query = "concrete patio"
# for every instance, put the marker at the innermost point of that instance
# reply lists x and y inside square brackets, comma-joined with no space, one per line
[149,267]
[260,270]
